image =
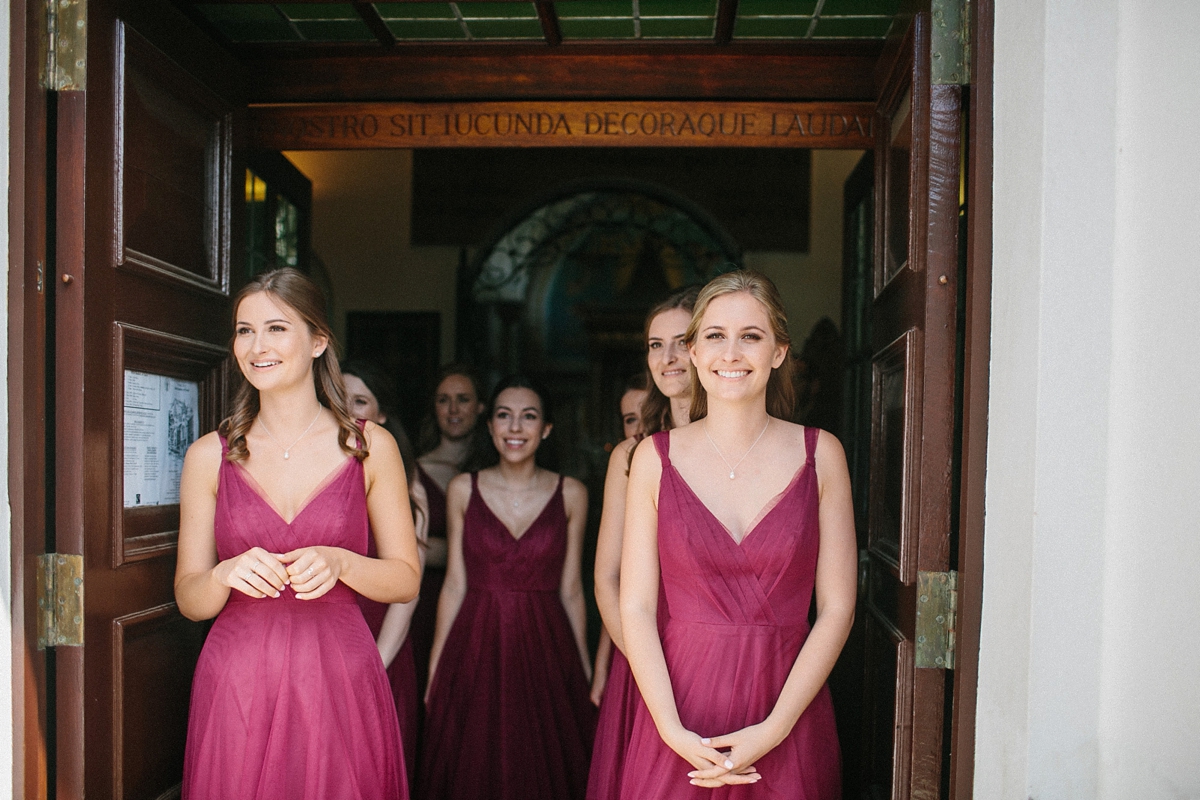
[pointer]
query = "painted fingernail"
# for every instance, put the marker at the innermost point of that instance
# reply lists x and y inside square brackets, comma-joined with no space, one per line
[691,774]
[728,764]
[705,740]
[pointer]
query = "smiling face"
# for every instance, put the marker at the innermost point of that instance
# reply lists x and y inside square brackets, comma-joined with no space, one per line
[631,412]
[457,407]
[666,353]
[735,350]
[517,425]
[361,401]
[272,343]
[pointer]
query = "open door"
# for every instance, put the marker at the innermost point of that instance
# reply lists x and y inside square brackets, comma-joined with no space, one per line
[147,250]
[910,305]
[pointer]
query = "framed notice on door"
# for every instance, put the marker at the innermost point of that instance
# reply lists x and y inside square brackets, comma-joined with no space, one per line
[170,392]
[161,422]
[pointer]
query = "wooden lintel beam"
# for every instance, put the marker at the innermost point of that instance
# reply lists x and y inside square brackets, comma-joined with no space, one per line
[726,16]
[805,71]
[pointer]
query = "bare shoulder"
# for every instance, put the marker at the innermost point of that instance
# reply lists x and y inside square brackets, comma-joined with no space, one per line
[459,488]
[829,448]
[206,452]
[647,466]
[620,456]
[378,436]
[202,463]
[574,492]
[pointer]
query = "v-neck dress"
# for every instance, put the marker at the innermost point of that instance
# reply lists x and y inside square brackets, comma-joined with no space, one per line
[509,716]
[737,618]
[290,700]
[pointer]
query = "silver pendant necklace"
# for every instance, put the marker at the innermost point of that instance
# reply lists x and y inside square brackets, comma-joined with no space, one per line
[515,502]
[287,450]
[733,467]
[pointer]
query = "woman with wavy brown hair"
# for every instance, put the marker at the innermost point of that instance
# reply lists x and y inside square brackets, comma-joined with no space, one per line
[290,699]
[667,404]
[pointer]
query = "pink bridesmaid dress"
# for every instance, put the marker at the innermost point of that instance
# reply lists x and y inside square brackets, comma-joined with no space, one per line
[402,675]
[509,717]
[290,700]
[738,616]
[613,730]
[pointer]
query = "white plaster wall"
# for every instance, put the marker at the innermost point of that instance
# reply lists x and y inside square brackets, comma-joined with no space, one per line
[1150,689]
[6,678]
[1087,668]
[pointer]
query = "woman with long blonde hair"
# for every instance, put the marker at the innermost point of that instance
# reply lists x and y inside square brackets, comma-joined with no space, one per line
[735,520]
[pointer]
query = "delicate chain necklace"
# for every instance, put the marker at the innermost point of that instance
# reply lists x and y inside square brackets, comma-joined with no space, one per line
[517,503]
[733,468]
[287,450]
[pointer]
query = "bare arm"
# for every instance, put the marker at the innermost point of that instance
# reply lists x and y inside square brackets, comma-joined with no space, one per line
[454,589]
[603,662]
[639,612]
[571,590]
[395,575]
[835,593]
[398,618]
[608,541]
[202,583]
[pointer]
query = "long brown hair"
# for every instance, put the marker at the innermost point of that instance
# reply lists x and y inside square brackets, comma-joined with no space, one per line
[656,408]
[781,388]
[299,293]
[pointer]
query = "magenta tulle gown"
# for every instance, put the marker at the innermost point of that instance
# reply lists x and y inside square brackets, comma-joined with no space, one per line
[425,617]
[402,675]
[290,700]
[509,716]
[613,730]
[738,616]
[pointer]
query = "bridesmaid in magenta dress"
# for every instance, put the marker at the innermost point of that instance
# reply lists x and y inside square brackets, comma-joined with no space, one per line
[508,714]
[290,699]
[371,396]
[452,438]
[737,518]
[666,406]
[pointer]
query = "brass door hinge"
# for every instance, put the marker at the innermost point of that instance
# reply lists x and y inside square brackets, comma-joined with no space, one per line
[937,611]
[64,45]
[949,42]
[60,600]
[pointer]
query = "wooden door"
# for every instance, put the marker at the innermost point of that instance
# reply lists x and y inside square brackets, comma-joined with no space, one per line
[148,249]
[912,322]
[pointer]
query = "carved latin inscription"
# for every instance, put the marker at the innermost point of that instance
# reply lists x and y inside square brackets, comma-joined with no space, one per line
[640,124]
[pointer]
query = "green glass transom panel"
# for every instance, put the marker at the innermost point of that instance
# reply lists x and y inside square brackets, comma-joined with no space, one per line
[242,21]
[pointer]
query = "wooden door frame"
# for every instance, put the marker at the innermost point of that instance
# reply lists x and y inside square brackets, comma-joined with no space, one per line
[27,229]
[283,83]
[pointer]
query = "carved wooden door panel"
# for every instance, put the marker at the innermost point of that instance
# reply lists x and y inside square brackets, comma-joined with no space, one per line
[148,250]
[912,327]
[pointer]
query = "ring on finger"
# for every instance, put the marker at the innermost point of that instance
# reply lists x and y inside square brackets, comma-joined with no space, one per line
[309,572]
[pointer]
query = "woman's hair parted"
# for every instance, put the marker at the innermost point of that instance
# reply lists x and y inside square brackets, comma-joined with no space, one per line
[781,389]
[656,408]
[294,289]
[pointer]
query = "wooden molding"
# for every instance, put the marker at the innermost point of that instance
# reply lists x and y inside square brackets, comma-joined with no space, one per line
[737,71]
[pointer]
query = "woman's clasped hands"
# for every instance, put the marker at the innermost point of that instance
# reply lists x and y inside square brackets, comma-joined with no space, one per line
[725,760]
[310,571]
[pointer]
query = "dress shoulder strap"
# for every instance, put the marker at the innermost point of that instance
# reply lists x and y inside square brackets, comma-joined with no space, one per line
[662,443]
[810,444]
